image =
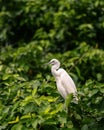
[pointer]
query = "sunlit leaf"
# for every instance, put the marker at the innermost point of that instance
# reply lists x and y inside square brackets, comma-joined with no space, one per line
[59,108]
[15,121]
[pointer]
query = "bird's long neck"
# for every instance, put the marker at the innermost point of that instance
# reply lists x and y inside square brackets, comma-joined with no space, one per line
[54,70]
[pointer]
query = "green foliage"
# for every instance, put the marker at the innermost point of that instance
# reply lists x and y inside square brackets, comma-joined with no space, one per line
[32,33]
[28,94]
[64,23]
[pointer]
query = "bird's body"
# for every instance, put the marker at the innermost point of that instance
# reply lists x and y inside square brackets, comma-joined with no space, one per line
[64,82]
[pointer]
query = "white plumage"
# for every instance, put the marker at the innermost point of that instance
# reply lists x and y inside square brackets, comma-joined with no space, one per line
[64,82]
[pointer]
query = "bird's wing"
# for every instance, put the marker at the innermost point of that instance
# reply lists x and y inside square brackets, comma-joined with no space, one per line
[67,82]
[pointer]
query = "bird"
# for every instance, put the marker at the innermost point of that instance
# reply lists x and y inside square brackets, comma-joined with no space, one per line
[64,82]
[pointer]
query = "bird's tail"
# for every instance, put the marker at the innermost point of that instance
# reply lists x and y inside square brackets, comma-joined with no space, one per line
[75,98]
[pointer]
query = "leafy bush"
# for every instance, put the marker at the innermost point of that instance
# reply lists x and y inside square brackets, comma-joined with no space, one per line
[29,98]
[32,33]
[65,24]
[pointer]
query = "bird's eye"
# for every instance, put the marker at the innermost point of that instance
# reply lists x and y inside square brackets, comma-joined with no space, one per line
[53,62]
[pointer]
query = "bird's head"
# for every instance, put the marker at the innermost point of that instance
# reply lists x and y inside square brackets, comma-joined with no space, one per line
[55,62]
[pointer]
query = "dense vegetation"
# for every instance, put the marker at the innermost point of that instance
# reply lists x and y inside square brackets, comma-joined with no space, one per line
[32,33]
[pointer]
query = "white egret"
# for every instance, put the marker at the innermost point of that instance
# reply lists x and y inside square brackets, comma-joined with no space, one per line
[64,82]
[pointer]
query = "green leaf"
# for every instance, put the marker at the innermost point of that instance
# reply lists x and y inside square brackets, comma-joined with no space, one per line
[18,126]
[85,127]
[6,76]
[59,108]
[68,100]
[14,121]
[34,91]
